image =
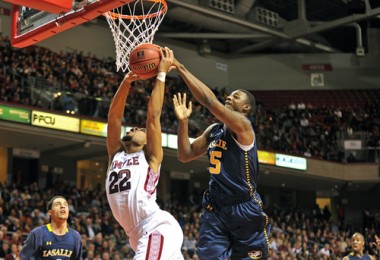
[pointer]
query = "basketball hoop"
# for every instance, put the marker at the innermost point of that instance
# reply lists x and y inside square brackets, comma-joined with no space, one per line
[134,23]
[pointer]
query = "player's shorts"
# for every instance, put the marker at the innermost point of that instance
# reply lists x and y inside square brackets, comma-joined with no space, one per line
[157,237]
[239,231]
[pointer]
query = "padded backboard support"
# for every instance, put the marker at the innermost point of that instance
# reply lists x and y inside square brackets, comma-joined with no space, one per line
[25,33]
[51,6]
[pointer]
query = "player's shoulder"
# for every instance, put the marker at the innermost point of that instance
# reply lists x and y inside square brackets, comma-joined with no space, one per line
[74,232]
[210,129]
[213,127]
[112,157]
[39,229]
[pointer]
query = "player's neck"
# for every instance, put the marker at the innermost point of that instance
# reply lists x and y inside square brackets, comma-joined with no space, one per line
[133,148]
[59,228]
[359,254]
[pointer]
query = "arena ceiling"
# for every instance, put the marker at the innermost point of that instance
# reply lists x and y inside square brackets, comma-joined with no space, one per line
[271,26]
[244,27]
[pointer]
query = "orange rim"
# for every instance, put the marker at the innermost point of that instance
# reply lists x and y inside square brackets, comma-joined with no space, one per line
[141,17]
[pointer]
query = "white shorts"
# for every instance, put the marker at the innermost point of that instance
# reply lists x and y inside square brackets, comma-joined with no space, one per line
[157,237]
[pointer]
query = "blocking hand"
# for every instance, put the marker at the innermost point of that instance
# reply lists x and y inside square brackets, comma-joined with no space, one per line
[181,110]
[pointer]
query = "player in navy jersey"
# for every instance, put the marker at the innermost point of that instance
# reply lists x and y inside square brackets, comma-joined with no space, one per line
[54,240]
[234,224]
[357,248]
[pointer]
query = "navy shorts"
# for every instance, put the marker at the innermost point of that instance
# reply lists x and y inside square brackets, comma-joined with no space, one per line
[238,231]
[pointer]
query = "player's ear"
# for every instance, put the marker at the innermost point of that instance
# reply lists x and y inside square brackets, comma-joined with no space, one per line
[246,108]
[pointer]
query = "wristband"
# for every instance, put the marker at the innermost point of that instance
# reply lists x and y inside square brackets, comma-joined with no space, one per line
[161,76]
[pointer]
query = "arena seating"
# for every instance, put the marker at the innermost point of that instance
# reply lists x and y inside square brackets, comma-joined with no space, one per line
[296,233]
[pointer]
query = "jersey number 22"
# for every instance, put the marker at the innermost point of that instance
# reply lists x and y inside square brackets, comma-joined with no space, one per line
[123,184]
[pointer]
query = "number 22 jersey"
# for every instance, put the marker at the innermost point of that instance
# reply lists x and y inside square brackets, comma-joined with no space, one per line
[131,189]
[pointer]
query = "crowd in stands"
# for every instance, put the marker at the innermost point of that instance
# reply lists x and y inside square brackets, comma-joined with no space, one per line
[83,84]
[86,85]
[296,234]
[316,131]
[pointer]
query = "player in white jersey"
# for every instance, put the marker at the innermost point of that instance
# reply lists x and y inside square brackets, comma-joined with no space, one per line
[133,173]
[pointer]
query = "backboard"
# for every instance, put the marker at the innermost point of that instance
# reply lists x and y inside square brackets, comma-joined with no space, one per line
[51,6]
[33,24]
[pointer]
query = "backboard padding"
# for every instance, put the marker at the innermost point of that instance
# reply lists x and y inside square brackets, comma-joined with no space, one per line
[29,34]
[51,6]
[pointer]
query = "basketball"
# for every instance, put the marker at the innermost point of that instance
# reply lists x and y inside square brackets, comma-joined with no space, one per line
[144,60]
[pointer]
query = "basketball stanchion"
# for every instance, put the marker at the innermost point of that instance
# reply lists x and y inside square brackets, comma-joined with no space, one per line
[30,26]
[133,24]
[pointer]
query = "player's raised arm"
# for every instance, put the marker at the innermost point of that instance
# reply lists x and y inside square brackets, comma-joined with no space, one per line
[153,125]
[115,114]
[235,120]
[187,151]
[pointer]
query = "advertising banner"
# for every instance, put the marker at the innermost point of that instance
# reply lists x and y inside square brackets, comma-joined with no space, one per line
[289,161]
[54,121]
[90,127]
[14,114]
[266,157]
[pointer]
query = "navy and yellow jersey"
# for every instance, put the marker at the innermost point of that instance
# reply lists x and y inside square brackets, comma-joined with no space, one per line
[42,243]
[351,256]
[233,170]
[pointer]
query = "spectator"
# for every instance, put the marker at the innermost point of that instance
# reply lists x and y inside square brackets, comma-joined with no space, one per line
[38,216]
[2,216]
[326,213]
[90,230]
[341,212]
[12,255]
[292,106]
[5,248]
[325,252]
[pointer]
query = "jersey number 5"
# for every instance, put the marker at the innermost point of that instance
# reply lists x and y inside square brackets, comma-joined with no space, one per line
[123,184]
[215,162]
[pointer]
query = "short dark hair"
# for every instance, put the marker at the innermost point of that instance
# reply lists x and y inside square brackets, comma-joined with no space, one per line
[358,234]
[50,203]
[251,99]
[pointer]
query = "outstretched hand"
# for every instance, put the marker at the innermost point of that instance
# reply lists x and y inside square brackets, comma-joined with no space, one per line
[182,112]
[175,65]
[166,60]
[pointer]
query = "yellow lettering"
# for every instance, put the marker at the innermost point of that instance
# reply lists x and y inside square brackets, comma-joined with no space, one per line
[57,252]
[219,143]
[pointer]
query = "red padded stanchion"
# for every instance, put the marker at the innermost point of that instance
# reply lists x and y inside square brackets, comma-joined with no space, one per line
[50,6]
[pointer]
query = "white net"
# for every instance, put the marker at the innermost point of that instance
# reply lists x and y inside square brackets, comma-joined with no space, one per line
[132,24]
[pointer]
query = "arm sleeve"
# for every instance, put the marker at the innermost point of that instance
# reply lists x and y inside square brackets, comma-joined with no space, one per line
[78,246]
[30,246]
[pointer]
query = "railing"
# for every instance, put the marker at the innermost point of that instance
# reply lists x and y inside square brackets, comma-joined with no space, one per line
[54,95]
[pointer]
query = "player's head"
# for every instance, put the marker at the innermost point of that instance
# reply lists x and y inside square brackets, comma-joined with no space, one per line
[58,207]
[136,136]
[357,242]
[241,101]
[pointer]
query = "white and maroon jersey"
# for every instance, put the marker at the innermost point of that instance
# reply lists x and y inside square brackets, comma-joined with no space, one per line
[131,189]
